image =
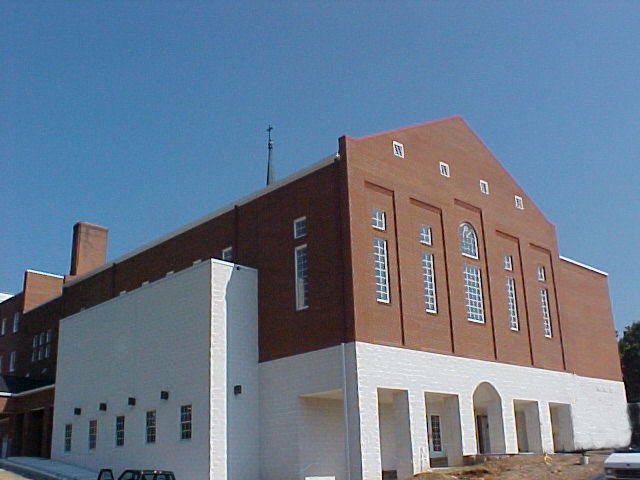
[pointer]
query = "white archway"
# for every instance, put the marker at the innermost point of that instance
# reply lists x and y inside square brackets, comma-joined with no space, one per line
[487,408]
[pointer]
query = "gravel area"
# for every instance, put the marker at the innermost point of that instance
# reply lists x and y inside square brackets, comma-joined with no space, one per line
[525,467]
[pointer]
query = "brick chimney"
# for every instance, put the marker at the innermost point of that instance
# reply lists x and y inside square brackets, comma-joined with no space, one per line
[89,248]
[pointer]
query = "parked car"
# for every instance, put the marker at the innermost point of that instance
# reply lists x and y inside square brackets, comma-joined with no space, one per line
[623,464]
[132,474]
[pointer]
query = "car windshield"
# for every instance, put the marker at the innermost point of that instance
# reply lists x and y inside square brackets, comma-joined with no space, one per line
[629,449]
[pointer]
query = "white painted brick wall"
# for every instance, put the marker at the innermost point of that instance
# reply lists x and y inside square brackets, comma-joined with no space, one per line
[243,434]
[282,422]
[598,406]
[194,334]
[154,338]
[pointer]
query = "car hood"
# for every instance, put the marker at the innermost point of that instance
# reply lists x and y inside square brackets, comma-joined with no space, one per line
[622,460]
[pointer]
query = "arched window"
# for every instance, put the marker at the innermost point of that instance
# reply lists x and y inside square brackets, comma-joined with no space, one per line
[468,241]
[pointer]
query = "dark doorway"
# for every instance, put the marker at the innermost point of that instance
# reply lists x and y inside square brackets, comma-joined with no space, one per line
[482,431]
[16,441]
[34,435]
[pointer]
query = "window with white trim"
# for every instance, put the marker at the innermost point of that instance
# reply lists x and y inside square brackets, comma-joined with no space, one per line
[301,262]
[468,241]
[512,305]
[398,149]
[34,348]
[119,430]
[546,315]
[47,346]
[507,263]
[16,322]
[378,219]
[12,362]
[93,434]
[518,202]
[300,227]
[68,431]
[425,234]
[429,283]
[381,269]
[150,426]
[473,293]
[436,433]
[185,422]
[542,274]
[484,187]
[227,254]
[444,169]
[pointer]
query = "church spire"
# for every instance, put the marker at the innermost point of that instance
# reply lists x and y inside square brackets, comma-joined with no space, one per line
[271,176]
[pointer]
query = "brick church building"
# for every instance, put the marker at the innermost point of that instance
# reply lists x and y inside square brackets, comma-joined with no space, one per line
[398,306]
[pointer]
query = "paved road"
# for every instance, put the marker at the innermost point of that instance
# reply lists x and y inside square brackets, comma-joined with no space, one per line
[600,476]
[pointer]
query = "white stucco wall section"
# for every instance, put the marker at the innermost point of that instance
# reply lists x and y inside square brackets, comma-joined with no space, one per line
[301,433]
[598,407]
[176,334]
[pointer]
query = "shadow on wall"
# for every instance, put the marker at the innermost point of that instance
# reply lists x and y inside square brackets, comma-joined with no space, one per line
[633,410]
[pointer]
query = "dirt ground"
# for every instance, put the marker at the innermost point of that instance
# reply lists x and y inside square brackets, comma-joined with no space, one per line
[524,467]
[4,475]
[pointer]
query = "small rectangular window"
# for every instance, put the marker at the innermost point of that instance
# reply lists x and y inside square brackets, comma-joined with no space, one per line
[1,362]
[444,169]
[185,422]
[3,327]
[518,201]
[436,434]
[68,431]
[34,355]
[301,277]
[542,274]
[300,227]
[120,431]
[378,219]
[484,187]
[398,149]
[150,427]
[381,269]
[425,234]
[508,263]
[16,322]
[546,315]
[93,434]
[473,294]
[512,305]
[429,283]
[12,362]
[227,254]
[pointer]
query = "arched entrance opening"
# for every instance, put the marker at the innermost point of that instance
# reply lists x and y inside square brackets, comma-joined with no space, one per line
[487,408]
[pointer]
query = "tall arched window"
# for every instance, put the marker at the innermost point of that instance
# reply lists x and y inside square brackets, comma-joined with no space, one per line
[468,241]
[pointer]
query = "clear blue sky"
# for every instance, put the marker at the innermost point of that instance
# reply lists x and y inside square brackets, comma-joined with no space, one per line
[142,116]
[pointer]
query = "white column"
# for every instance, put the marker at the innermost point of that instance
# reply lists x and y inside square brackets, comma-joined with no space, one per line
[370,458]
[545,427]
[419,435]
[509,421]
[468,424]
